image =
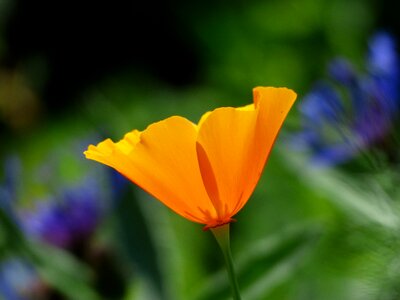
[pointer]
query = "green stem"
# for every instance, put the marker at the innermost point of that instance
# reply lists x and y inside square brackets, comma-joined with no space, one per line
[221,234]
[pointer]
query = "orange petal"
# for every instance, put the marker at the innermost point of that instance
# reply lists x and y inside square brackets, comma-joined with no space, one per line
[224,152]
[233,146]
[273,105]
[162,160]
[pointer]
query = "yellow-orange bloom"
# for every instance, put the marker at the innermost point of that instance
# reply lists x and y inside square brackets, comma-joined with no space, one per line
[204,172]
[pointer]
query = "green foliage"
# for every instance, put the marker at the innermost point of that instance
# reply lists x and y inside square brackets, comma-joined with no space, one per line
[63,272]
[265,264]
[133,234]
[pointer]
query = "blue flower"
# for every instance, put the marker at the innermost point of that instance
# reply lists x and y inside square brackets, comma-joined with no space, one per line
[69,215]
[68,219]
[350,112]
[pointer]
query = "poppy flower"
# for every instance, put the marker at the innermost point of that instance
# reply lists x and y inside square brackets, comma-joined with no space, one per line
[205,172]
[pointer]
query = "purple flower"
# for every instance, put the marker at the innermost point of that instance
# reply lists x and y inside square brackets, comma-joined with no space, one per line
[68,219]
[351,112]
[68,216]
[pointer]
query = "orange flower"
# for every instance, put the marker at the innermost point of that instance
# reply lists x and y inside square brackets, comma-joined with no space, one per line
[204,172]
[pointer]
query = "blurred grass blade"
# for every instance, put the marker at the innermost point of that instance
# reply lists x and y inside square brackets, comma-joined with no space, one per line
[135,237]
[62,271]
[266,264]
[364,199]
[11,238]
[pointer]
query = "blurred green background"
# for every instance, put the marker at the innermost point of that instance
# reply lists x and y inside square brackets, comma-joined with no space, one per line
[75,72]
